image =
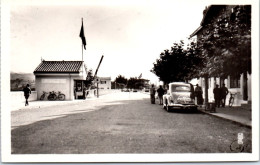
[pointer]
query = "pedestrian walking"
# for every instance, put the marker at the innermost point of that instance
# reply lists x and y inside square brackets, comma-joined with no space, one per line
[160,92]
[217,95]
[224,91]
[27,92]
[198,95]
[152,94]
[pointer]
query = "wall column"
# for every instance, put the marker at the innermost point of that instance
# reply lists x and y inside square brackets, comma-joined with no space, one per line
[249,88]
[244,86]
[206,90]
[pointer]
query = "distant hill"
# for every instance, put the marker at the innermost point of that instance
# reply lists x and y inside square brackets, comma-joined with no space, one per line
[25,76]
[19,80]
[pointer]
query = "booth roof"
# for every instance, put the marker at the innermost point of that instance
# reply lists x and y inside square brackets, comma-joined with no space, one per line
[59,67]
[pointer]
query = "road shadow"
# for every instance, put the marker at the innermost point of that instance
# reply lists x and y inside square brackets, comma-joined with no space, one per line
[185,111]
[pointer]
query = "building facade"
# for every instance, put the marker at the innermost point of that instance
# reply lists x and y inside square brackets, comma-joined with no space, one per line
[66,77]
[104,82]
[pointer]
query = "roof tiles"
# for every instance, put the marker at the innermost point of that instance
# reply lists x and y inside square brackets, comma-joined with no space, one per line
[59,67]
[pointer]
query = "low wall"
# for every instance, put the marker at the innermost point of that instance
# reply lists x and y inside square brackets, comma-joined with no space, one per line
[19,96]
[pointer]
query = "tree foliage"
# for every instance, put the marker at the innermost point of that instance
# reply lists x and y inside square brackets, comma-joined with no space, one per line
[131,83]
[178,64]
[121,80]
[135,83]
[89,79]
[226,43]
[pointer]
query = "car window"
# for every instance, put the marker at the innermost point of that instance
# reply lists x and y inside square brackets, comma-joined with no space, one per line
[180,88]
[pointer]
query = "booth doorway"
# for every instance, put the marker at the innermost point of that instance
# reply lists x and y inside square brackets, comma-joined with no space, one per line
[78,89]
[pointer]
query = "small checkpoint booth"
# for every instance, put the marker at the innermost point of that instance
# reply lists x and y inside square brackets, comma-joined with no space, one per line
[66,77]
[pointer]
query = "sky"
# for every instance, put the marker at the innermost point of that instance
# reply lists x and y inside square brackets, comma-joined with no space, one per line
[130,35]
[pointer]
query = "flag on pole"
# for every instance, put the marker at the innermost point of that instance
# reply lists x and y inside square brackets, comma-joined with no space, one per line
[82,36]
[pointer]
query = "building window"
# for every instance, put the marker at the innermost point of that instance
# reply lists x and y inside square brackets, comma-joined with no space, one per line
[103,82]
[234,82]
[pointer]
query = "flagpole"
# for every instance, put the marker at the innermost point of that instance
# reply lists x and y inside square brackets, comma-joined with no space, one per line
[82,56]
[82,62]
[82,36]
[82,44]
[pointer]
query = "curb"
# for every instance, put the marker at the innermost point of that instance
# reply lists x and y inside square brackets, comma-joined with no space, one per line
[233,121]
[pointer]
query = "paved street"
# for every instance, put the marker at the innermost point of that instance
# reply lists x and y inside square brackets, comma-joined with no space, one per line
[121,123]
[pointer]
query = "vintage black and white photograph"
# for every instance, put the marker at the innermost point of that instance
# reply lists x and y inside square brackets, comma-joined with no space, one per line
[130,81]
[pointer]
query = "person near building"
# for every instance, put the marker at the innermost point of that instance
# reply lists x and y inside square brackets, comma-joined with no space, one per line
[27,92]
[224,91]
[160,92]
[152,94]
[198,95]
[217,95]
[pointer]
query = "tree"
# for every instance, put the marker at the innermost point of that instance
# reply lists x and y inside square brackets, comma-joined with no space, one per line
[121,81]
[226,44]
[178,64]
[89,79]
[134,83]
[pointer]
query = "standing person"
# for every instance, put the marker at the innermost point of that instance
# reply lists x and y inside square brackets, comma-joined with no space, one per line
[160,92]
[217,95]
[27,92]
[224,92]
[198,95]
[152,94]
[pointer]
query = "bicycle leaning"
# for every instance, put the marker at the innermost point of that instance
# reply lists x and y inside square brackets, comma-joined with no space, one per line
[53,96]
[231,99]
[43,95]
[61,96]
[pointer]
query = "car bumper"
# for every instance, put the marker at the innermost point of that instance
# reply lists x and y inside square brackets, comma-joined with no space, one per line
[181,106]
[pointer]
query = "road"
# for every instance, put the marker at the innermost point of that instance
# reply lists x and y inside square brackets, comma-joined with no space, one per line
[121,123]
